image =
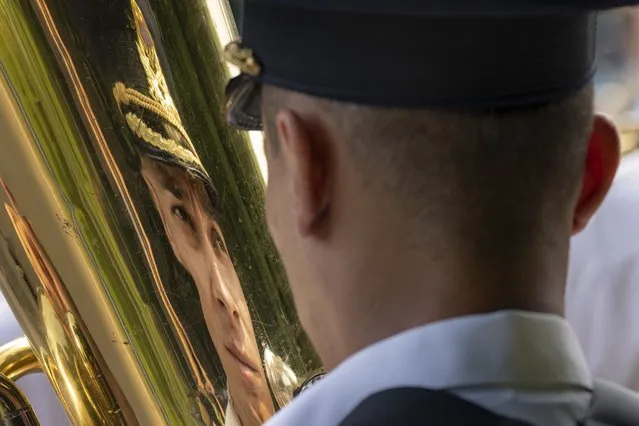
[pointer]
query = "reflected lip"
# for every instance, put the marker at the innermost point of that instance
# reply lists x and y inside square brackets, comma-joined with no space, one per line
[242,358]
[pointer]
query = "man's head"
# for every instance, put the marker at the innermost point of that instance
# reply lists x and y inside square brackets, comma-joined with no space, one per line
[426,159]
[353,187]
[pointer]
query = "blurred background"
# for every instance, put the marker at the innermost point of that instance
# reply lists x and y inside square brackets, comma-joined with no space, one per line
[617,80]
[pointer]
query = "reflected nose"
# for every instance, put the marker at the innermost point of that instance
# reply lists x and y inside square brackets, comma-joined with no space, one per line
[231,316]
[229,308]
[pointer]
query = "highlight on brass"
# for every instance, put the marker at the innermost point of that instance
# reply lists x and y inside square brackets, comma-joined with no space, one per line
[133,248]
[16,360]
[78,373]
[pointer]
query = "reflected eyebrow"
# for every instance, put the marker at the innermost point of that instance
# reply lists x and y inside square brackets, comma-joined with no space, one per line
[208,201]
[169,183]
[205,192]
[173,189]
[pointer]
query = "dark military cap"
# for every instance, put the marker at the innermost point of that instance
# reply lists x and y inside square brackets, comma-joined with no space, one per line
[455,54]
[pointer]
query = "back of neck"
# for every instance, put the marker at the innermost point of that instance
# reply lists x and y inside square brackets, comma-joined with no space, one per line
[390,293]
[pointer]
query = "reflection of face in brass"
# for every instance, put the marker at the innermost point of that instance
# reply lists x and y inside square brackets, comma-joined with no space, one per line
[196,239]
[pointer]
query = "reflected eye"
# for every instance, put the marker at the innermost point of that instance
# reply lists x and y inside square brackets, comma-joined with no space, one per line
[185,227]
[182,215]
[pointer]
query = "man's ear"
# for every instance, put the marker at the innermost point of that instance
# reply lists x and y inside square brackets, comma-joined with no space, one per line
[602,160]
[306,162]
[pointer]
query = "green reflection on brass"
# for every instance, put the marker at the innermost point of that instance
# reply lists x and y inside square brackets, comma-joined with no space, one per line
[29,66]
[65,61]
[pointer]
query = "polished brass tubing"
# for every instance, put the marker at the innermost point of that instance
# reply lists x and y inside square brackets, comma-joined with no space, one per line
[15,410]
[17,359]
[134,250]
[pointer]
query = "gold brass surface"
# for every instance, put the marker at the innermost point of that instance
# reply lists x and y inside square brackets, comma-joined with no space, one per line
[17,359]
[15,410]
[133,248]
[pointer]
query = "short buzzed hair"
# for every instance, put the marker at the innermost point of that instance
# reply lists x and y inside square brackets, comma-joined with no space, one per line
[518,165]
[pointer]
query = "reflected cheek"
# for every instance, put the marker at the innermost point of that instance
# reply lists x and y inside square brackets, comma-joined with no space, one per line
[182,244]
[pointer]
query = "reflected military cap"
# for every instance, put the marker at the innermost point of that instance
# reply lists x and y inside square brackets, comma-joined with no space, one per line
[453,54]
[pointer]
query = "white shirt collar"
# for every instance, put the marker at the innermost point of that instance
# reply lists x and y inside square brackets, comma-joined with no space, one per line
[516,350]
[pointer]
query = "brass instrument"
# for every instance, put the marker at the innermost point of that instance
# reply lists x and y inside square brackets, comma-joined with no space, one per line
[16,360]
[133,248]
[629,132]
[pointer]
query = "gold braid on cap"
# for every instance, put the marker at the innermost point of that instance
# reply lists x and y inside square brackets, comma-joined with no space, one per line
[243,58]
[159,102]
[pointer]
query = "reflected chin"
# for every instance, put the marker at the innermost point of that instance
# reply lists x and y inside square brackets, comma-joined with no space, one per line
[245,373]
[249,394]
